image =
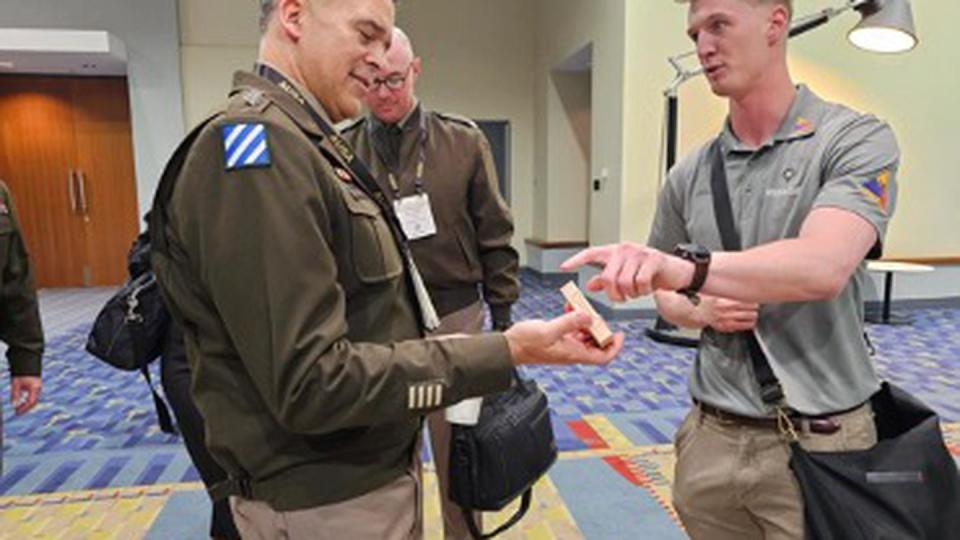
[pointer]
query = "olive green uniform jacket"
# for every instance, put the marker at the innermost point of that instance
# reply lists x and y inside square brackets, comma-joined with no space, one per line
[474,226]
[299,322]
[20,326]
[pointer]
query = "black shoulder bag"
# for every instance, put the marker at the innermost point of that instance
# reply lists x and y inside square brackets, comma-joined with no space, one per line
[905,487]
[128,332]
[502,457]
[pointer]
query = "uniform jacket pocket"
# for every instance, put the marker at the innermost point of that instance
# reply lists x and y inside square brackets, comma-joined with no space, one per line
[376,256]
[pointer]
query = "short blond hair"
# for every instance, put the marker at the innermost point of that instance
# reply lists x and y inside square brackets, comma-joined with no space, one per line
[785,3]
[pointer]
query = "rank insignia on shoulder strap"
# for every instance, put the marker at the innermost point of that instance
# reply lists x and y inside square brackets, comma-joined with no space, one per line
[245,146]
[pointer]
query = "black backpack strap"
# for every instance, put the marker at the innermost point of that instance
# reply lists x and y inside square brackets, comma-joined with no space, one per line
[163,412]
[770,389]
[514,519]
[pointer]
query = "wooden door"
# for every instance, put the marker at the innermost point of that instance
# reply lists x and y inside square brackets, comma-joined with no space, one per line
[106,180]
[38,153]
[66,153]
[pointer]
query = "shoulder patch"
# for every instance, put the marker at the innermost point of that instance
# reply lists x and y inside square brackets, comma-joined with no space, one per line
[245,146]
[878,189]
[458,119]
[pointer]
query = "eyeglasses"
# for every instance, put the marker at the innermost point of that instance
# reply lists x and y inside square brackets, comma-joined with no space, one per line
[393,82]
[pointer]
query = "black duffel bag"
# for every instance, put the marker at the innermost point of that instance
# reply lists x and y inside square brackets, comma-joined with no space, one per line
[904,487]
[130,330]
[503,455]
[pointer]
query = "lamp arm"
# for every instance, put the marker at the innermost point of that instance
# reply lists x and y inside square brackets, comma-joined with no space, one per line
[804,25]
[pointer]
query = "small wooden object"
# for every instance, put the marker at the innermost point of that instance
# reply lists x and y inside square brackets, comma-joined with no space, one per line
[598,329]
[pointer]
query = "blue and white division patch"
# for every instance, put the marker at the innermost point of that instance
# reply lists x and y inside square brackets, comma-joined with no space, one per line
[244,146]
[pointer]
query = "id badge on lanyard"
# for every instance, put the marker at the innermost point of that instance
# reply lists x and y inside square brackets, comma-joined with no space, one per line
[415,216]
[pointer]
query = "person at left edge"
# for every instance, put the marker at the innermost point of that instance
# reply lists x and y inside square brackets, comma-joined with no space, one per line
[300,311]
[20,326]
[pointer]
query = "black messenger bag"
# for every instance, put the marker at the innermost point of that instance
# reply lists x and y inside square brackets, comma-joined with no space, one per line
[503,455]
[906,487]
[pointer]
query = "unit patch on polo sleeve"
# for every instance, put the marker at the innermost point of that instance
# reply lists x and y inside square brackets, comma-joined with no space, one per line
[877,189]
[245,146]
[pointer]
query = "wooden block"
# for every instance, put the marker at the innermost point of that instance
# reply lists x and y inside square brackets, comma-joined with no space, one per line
[598,329]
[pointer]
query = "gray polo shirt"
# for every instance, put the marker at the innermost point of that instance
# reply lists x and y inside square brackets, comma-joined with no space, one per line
[824,155]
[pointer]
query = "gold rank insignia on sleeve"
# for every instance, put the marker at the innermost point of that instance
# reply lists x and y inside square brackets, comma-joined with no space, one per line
[425,395]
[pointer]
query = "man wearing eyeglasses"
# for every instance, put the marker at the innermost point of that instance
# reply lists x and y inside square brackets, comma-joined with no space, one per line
[439,172]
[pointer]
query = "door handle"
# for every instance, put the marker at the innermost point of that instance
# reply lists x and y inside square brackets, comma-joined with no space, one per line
[71,191]
[82,183]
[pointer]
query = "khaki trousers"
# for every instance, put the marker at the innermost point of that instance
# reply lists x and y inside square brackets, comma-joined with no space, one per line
[733,482]
[468,320]
[393,512]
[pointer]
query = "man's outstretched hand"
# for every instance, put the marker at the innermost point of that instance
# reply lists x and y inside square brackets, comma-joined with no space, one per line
[560,341]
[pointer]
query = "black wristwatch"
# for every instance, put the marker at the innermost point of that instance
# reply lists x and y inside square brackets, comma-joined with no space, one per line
[700,257]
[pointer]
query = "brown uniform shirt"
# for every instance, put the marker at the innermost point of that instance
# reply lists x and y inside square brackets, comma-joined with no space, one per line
[20,326]
[474,226]
[300,327]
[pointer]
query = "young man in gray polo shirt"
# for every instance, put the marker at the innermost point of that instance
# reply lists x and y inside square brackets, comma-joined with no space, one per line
[812,187]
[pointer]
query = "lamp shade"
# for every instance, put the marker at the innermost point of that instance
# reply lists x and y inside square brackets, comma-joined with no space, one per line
[886,26]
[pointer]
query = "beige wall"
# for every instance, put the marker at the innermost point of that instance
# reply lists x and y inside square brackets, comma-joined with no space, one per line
[654,31]
[478,61]
[217,37]
[565,199]
[566,26]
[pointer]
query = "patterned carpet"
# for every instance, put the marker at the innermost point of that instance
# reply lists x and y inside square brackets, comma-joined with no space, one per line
[90,462]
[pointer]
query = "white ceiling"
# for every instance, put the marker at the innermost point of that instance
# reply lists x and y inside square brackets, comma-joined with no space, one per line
[61,52]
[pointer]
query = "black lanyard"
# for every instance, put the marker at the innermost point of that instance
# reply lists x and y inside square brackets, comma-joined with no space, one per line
[346,154]
[421,158]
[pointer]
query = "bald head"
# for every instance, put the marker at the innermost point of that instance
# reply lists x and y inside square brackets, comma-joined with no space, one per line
[400,53]
[392,96]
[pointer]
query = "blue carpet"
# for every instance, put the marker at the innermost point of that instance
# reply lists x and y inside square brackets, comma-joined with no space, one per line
[96,428]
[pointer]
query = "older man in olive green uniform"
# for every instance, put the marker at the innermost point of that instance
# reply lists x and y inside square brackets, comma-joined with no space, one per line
[812,186]
[439,166]
[20,325]
[302,314]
